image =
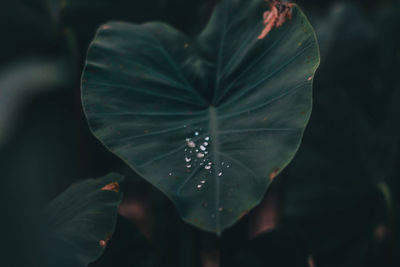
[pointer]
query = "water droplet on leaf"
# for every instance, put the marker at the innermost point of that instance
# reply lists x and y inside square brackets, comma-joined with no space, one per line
[191,144]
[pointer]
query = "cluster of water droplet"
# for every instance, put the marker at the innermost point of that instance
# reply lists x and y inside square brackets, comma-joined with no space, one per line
[196,152]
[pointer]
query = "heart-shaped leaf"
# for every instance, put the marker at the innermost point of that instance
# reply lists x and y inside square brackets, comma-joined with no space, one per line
[78,224]
[208,121]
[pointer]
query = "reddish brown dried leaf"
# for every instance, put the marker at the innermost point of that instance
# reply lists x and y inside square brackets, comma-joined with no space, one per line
[111,187]
[276,16]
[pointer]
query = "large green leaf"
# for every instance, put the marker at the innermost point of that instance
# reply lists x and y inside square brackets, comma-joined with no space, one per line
[78,224]
[208,121]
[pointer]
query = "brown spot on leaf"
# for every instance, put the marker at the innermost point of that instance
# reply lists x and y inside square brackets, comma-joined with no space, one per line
[278,13]
[310,78]
[106,27]
[114,186]
[186,45]
[273,174]
[103,243]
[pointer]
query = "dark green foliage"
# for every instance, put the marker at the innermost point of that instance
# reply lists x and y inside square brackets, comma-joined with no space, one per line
[330,202]
[78,224]
[162,101]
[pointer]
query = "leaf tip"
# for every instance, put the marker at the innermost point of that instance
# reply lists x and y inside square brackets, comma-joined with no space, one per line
[114,186]
[273,174]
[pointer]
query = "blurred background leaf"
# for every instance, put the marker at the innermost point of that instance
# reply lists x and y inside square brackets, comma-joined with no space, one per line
[78,224]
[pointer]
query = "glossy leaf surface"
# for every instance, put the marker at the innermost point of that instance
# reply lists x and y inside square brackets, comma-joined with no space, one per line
[79,222]
[208,121]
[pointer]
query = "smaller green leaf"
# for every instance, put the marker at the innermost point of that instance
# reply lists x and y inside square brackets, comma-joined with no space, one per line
[79,222]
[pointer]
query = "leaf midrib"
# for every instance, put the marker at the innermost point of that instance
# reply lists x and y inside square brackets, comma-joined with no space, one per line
[213,126]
